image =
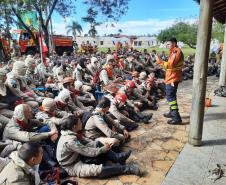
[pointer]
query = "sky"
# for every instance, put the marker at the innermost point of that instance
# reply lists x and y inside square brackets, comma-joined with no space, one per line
[143,17]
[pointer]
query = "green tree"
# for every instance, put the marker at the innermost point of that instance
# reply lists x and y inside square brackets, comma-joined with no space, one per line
[111,10]
[218,31]
[6,19]
[43,9]
[91,19]
[183,31]
[74,28]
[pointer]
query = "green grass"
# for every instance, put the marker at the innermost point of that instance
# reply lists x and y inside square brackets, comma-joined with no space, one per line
[186,50]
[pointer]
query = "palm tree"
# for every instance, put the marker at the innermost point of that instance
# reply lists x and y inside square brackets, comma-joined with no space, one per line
[75,28]
[92,31]
[119,31]
[91,19]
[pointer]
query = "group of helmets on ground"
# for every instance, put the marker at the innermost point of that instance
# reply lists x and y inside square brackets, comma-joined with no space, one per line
[73,113]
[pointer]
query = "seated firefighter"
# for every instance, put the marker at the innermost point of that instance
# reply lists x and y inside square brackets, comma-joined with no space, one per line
[73,103]
[22,128]
[101,127]
[5,112]
[17,83]
[85,97]
[23,167]
[84,158]
[106,75]
[136,99]
[49,113]
[135,102]
[117,112]
[80,74]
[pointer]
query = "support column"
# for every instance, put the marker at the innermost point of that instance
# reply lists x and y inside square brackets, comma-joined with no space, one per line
[222,80]
[200,72]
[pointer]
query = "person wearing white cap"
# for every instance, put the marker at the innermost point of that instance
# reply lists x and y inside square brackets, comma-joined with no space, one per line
[5,113]
[17,83]
[22,126]
[80,74]
[60,72]
[43,72]
[30,72]
[82,95]
[49,114]
[62,100]
[93,66]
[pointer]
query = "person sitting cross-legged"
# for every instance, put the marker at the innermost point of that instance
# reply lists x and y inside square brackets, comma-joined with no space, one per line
[85,158]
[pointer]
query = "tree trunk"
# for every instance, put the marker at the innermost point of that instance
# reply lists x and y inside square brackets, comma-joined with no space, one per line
[8,35]
[74,35]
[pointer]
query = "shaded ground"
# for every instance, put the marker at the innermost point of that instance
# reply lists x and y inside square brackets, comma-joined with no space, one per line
[156,146]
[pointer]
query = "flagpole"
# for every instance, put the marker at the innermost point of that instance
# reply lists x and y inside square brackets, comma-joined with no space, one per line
[51,30]
[48,28]
[40,39]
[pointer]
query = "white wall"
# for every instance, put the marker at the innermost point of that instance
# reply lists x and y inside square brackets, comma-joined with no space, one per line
[110,41]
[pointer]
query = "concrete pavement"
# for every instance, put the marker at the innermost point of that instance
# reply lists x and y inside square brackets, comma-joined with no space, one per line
[193,163]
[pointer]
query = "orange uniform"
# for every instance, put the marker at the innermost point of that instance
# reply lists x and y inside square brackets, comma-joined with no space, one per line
[173,66]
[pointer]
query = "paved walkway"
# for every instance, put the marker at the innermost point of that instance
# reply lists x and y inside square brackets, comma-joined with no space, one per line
[193,163]
[156,146]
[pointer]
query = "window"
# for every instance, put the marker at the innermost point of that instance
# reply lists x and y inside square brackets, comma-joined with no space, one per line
[139,43]
[135,43]
[101,43]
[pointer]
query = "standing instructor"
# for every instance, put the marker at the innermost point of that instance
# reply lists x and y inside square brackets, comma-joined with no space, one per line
[173,77]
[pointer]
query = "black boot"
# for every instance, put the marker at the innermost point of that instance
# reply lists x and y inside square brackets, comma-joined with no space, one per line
[154,107]
[135,118]
[149,116]
[168,115]
[118,157]
[176,119]
[140,115]
[146,120]
[131,126]
[133,169]
[109,171]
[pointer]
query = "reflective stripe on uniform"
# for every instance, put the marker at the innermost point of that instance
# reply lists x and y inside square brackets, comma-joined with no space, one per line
[173,102]
[175,107]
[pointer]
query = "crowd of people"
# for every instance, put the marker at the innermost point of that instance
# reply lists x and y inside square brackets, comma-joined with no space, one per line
[70,115]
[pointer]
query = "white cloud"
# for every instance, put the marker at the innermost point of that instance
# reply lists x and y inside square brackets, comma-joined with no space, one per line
[59,26]
[137,27]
